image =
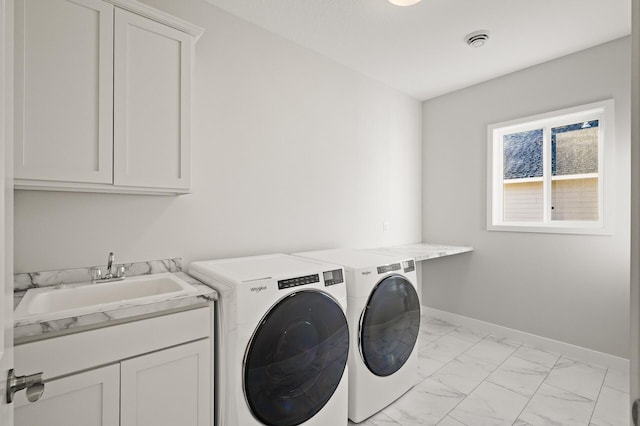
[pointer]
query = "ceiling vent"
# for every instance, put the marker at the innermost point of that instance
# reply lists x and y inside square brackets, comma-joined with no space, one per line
[477,38]
[404,2]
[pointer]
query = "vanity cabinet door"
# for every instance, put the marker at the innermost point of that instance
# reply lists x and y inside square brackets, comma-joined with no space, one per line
[152,86]
[64,90]
[91,398]
[169,387]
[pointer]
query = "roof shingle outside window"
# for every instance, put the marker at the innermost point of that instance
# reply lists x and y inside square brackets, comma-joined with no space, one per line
[523,155]
[574,150]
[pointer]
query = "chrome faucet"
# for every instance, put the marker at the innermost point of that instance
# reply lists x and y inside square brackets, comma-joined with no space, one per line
[110,265]
[99,278]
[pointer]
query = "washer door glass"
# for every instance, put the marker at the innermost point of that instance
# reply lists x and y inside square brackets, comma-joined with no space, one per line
[390,325]
[296,358]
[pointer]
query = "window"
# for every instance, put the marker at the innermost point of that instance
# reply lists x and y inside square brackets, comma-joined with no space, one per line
[547,173]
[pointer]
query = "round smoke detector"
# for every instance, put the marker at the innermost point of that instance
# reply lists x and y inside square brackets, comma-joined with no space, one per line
[477,38]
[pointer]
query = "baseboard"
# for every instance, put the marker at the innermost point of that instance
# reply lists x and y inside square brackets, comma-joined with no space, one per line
[583,354]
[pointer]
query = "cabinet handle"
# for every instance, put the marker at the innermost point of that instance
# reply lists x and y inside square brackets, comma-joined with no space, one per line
[32,383]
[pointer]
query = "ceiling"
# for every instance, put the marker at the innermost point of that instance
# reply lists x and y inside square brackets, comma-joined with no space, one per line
[420,49]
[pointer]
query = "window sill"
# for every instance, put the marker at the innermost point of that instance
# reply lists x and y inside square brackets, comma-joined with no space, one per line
[596,229]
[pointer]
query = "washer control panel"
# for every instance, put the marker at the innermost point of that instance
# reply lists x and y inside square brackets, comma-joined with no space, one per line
[295,282]
[333,277]
[388,268]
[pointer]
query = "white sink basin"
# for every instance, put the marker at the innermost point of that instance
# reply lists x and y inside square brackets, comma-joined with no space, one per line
[76,299]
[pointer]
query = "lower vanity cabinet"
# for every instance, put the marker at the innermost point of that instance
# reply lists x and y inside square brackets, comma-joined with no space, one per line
[152,372]
[167,388]
[91,398]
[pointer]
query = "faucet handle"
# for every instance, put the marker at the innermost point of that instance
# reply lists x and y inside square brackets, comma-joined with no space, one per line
[96,274]
[120,271]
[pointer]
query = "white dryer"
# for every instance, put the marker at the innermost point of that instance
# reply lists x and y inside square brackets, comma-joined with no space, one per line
[282,340]
[383,311]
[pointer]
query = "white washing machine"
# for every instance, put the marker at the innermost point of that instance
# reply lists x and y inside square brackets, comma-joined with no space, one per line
[282,340]
[383,311]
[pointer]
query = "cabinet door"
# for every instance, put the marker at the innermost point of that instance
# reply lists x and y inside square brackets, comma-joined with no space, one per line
[86,399]
[64,90]
[152,83]
[168,388]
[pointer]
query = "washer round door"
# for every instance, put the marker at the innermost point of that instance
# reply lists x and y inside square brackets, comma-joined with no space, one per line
[296,358]
[389,326]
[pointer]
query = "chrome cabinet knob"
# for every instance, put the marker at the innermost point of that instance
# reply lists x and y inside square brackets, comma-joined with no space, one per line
[34,392]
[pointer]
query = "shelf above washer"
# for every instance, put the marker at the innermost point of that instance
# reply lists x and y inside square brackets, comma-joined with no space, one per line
[424,251]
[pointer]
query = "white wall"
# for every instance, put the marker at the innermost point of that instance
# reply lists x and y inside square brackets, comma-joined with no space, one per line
[572,288]
[291,151]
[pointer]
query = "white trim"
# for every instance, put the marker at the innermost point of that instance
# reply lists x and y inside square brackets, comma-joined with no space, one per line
[523,180]
[42,185]
[575,177]
[560,177]
[6,200]
[560,117]
[142,9]
[578,352]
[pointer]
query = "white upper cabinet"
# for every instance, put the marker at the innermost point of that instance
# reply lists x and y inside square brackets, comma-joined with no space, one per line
[64,90]
[152,101]
[103,94]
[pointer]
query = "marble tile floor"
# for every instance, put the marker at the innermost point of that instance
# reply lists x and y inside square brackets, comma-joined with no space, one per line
[469,379]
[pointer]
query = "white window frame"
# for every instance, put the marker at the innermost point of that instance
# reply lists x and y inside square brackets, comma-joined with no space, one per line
[602,111]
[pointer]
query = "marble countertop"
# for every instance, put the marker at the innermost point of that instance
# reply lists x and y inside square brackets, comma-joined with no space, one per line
[30,330]
[425,251]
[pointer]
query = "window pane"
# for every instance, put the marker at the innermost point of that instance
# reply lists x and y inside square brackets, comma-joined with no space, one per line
[522,159]
[574,199]
[574,149]
[574,152]
[522,154]
[523,202]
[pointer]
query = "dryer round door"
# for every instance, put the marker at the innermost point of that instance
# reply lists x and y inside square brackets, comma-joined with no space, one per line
[389,325]
[296,358]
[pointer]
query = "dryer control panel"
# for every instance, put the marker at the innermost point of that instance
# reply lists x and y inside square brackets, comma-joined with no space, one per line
[407,266]
[297,281]
[332,277]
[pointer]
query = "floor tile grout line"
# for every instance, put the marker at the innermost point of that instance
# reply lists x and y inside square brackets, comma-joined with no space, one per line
[614,389]
[521,359]
[539,363]
[435,371]
[472,390]
[432,373]
[560,357]
[506,388]
[478,385]
[598,397]
[571,392]
[538,388]
[465,395]
[447,415]
[500,364]
[574,392]
[447,362]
